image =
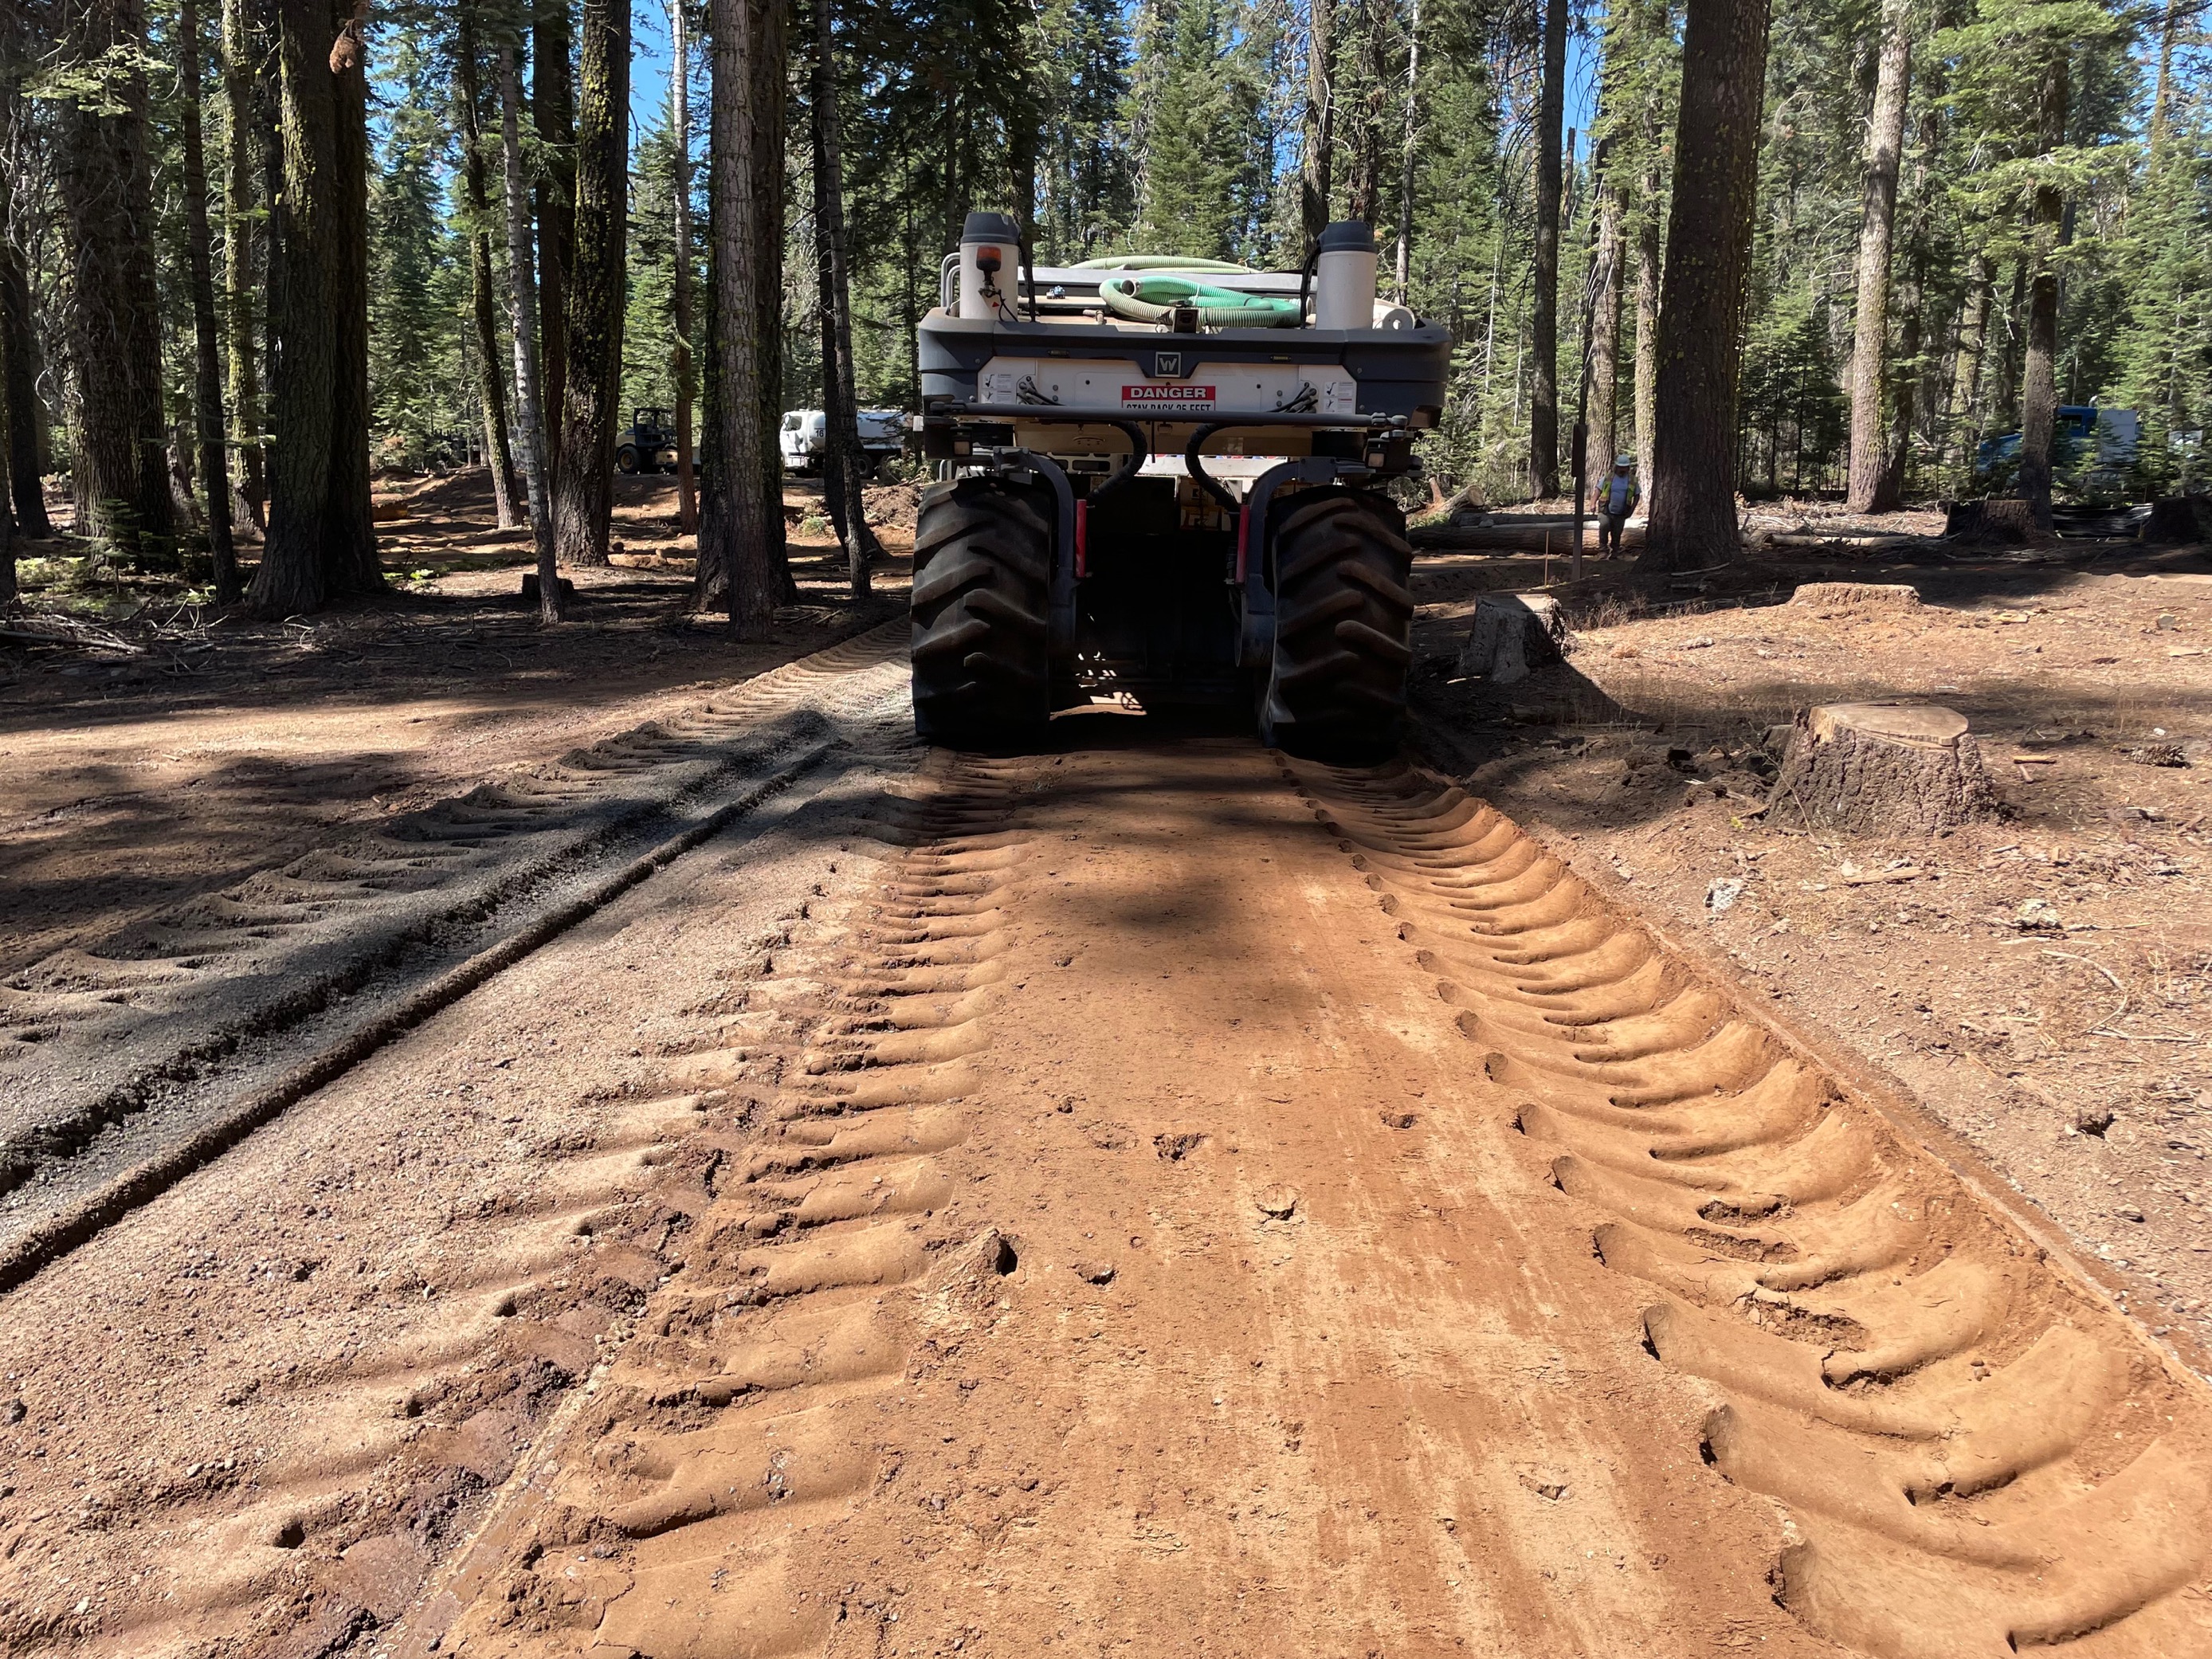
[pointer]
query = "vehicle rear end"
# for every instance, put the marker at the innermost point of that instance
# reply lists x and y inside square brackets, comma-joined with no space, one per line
[1164,485]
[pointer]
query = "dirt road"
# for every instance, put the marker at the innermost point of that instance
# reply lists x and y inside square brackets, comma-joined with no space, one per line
[1145,1198]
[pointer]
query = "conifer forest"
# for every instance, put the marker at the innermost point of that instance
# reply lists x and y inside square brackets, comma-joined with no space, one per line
[481,233]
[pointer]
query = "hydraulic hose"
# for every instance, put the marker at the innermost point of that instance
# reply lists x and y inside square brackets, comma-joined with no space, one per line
[1141,451]
[1196,468]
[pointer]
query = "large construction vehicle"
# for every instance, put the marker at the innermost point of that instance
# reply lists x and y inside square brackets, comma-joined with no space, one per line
[1161,483]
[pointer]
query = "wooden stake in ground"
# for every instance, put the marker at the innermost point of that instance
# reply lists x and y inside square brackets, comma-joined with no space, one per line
[1881,768]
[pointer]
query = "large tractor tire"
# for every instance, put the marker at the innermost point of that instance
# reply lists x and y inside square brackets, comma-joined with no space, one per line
[1344,620]
[982,563]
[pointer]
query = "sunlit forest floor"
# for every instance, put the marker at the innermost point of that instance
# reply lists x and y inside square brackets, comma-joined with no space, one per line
[2043,984]
[166,749]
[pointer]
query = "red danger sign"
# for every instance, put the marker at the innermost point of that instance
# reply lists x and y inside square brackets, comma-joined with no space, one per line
[1167,394]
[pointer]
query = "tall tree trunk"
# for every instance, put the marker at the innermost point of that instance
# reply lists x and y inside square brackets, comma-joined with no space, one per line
[737,563]
[1877,219]
[321,543]
[553,112]
[269,143]
[19,355]
[770,114]
[105,176]
[240,159]
[1320,122]
[1693,505]
[349,525]
[841,399]
[1406,169]
[491,384]
[2162,97]
[1603,410]
[1544,313]
[2006,395]
[1973,350]
[1363,188]
[679,99]
[1889,494]
[522,326]
[583,480]
[1648,282]
[1022,117]
[214,472]
[2038,413]
[1915,381]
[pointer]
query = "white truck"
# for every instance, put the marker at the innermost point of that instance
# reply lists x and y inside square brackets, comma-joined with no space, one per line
[806,435]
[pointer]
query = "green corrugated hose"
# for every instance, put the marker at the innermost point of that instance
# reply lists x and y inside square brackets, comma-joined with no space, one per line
[1148,299]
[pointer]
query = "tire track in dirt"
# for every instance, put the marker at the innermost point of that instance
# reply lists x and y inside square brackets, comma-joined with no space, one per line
[220,992]
[660,1515]
[1980,1457]
[374,1459]
[1360,1421]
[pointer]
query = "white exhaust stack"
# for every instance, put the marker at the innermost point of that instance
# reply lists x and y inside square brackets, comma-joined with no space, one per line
[1344,278]
[990,258]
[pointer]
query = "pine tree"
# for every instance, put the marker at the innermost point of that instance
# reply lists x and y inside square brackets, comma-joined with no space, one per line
[214,472]
[476,229]
[1086,187]
[106,182]
[1871,488]
[321,543]
[583,481]
[1692,515]
[242,164]
[1195,162]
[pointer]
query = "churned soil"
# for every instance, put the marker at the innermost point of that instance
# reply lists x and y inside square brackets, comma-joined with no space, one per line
[2042,981]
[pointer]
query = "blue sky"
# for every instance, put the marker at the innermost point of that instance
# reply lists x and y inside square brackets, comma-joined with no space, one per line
[650,50]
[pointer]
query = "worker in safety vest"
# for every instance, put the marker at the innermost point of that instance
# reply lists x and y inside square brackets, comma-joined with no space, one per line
[1616,501]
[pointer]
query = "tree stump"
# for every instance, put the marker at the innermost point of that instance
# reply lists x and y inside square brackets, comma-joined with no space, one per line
[1999,521]
[2173,519]
[1853,598]
[530,590]
[1881,768]
[1513,633]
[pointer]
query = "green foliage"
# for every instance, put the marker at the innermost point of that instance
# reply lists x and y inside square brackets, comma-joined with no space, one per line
[649,324]
[419,289]
[1176,125]
[1087,176]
